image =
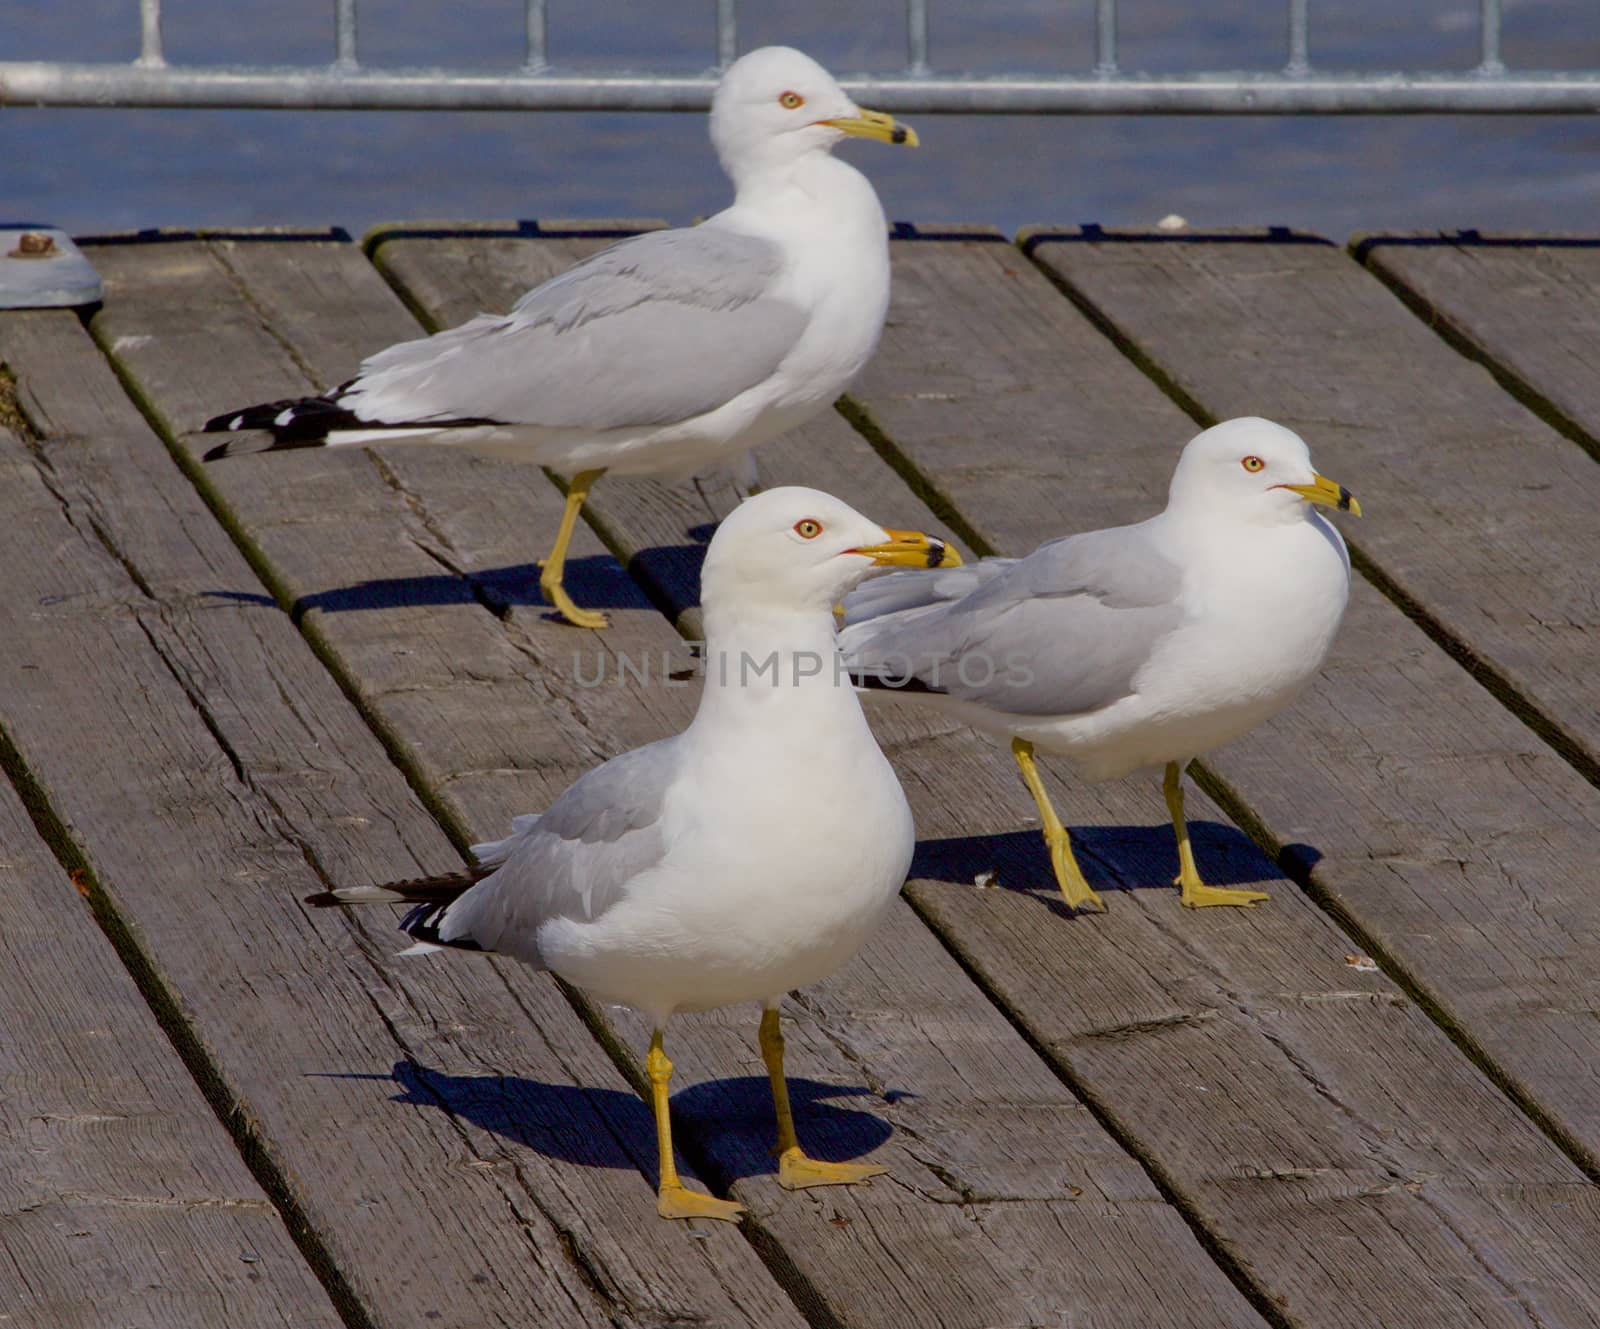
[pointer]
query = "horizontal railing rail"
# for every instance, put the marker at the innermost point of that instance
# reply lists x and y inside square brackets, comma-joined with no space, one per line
[1298,88]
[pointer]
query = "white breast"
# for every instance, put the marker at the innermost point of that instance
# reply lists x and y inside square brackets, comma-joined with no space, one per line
[835,239]
[1263,611]
[791,835]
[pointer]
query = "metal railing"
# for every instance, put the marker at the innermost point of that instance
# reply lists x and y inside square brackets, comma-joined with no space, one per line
[1298,88]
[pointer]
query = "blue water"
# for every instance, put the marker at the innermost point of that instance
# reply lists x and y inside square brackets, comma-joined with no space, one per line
[94,171]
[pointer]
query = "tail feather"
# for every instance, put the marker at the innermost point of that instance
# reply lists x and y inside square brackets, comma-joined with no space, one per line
[303,422]
[434,896]
[440,890]
[423,924]
[889,681]
[308,422]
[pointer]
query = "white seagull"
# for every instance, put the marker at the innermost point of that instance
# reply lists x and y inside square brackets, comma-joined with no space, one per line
[745,857]
[668,353]
[1136,646]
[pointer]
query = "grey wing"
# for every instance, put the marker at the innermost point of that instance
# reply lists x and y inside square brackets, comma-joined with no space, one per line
[659,328]
[574,860]
[905,592]
[1061,632]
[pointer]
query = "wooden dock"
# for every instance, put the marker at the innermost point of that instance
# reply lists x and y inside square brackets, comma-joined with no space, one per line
[1374,1101]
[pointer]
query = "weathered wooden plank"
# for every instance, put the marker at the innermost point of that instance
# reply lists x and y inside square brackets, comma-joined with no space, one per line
[1265,998]
[123,1203]
[541,755]
[905,1021]
[1315,1156]
[1524,306]
[240,779]
[1484,513]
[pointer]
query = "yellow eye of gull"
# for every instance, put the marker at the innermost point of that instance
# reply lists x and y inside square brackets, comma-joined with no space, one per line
[808,528]
[1253,464]
[791,101]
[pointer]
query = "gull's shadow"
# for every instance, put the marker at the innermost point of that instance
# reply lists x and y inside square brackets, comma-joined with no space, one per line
[1113,858]
[595,582]
[729,1122]
[670,574]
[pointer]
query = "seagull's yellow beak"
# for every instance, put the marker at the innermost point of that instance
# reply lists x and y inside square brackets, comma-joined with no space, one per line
[875,125]
[1326,493]
[911,549]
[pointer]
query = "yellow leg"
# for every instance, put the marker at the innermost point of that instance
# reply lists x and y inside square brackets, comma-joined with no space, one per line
[552,568]
[674,1199]
[795,1170]
[1069,876]
[1194,892]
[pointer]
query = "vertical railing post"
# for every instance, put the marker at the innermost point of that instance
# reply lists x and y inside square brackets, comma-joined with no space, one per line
[727,34]
[538,37]
[344,33]
[150,52]
[1105,37]
[1489,36]
[1299,39]
[917,36]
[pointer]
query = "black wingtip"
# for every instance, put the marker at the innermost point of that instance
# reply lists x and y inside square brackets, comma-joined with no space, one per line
[306,422]
[423,924]
[302,422]
[894,683]
[258,440]
[437,890]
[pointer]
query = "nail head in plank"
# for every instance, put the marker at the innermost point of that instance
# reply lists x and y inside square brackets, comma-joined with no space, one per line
[41,268]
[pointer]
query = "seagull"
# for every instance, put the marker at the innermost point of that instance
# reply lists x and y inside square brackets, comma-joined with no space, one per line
[1136,646]
[669,353]
[749,855]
